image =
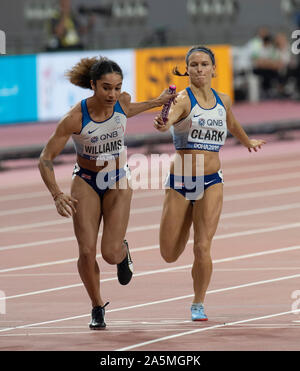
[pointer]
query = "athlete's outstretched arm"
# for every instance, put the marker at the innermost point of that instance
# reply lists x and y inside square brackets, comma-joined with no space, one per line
[237,130]
[65,204]
[138,107]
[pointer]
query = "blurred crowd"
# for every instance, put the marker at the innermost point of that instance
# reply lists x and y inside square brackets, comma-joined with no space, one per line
[65,28]
[272,61]
[271,71]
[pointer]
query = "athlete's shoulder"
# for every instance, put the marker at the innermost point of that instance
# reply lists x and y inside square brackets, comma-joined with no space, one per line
[125,98]
[225,98]
[75,110]
[182,98]
[183,94]
[75,114]
[71,121]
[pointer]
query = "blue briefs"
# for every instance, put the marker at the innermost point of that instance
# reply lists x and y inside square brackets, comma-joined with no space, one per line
[101,181]
[191,187]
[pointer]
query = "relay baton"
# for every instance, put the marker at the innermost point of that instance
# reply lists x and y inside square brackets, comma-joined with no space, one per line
[166,108]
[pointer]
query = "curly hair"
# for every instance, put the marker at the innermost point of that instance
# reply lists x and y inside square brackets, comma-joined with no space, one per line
[88,69]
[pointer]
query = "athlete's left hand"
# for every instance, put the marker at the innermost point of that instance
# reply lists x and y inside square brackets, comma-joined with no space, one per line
[65,205]
[256,144]
[160,125]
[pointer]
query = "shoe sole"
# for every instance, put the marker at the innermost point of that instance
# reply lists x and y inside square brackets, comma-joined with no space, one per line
[97,328]
[200,319]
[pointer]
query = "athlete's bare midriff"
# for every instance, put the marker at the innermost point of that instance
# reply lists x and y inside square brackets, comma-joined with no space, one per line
[194,159]
[93,165]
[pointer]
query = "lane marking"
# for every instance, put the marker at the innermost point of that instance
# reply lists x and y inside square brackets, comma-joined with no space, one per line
[147,273]
[255,168]
[228,184]
[249,284]
[143,210]
[155,208]
[124,329]
[279,164]
[272,192]
[241,196]
[52,207]
[145,248]
[191,332]
[122,326]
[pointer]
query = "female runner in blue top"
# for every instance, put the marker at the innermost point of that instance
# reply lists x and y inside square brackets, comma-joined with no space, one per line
[100,186]
[194,194]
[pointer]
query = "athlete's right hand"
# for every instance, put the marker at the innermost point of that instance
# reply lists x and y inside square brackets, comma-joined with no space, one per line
[159,124]
[65,205]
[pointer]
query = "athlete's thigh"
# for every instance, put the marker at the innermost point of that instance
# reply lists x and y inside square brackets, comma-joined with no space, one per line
[115,211]
[175,219]
[206,213]
[88,213]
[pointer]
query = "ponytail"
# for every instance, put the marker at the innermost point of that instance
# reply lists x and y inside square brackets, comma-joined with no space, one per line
[176,72]
[79,75]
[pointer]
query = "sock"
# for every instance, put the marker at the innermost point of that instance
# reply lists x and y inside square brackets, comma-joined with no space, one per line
[197,304]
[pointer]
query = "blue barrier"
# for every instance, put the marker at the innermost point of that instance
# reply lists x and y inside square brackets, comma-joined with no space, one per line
[18,89]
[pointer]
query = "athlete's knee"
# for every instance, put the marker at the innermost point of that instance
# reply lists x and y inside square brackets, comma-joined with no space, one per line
[168,255]
[112,253]
[202,250]
[87,252]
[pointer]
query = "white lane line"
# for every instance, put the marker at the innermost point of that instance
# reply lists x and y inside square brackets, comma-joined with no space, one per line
[260,167]
[38,243]
[263,210]
[249,284]
[52,207]
[47,274]
[227,165]
[272,192]
[259,230]
[158,208]
[132,211]
[141,327]
[261,179]
[27,195]
[24,210]
[147,273]
[217,237]
[228,184]
[191,332]
[226,198]
[55,222]
[250,269]
[24,195]
[183,269]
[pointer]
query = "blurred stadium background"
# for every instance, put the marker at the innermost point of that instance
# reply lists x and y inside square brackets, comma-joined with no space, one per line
[252,40]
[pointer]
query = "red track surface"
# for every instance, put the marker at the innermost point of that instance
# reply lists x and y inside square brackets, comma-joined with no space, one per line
[246,113]
[256,253]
